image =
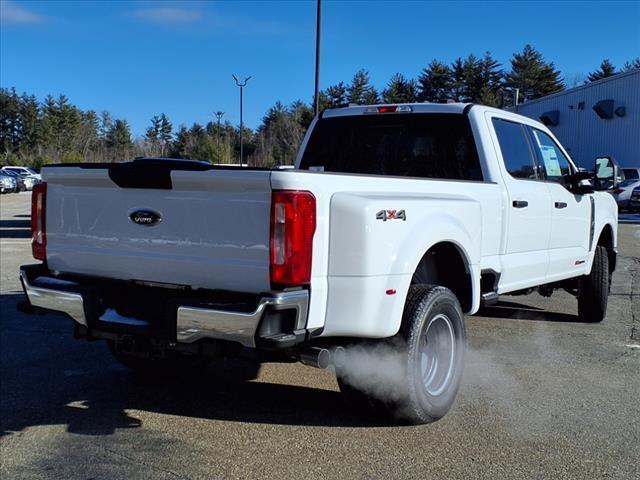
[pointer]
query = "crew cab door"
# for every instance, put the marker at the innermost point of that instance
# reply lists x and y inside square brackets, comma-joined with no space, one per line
[525,259]
[570,213]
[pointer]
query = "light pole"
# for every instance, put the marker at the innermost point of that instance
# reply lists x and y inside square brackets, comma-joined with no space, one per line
[241,85]
[316,98]
[219,115]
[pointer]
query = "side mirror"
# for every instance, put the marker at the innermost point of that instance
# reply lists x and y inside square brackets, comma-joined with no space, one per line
[606,173]
[581,182]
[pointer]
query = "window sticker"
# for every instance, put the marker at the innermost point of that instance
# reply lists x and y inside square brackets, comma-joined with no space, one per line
[551,163]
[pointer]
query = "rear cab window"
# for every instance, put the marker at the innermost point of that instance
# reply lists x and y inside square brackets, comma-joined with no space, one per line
[425,145]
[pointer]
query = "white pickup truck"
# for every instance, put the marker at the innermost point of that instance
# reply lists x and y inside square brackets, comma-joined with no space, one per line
[396,221]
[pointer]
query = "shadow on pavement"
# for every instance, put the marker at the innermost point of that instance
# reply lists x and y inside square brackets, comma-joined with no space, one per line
[15,228]
[50,379]
[518,311]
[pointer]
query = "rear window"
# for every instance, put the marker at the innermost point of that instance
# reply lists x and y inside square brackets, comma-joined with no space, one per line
[407,145]
[630,173]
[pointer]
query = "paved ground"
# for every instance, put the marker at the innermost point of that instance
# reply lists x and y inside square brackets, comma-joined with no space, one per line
[543,396]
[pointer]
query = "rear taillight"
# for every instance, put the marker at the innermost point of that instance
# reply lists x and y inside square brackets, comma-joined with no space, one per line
[38,221]
[293,223]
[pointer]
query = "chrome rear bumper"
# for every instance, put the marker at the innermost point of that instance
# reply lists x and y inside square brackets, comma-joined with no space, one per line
[192,323]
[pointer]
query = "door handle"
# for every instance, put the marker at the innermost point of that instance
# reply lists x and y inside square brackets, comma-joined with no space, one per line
[560,205]
[520,203]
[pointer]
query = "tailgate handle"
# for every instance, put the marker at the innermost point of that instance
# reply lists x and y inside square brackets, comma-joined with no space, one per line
[560,205]
[520,203]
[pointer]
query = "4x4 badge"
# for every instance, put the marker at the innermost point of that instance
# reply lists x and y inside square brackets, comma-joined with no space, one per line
[385,215]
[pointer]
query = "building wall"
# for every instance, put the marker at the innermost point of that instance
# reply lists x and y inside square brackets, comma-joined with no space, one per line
[583,132]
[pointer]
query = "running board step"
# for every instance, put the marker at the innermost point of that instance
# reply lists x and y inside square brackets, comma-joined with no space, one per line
[489,298]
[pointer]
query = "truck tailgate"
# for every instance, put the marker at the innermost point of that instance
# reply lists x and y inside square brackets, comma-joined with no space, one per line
[210,228]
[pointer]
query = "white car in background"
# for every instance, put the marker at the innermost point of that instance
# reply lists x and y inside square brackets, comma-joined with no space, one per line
[29,176]
[622,193]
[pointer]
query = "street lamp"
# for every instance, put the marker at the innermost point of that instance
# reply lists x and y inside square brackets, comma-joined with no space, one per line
[241,85]
[219,115]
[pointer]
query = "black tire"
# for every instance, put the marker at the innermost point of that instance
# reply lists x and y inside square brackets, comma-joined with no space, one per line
[417,399]
[171,363]
[594,289]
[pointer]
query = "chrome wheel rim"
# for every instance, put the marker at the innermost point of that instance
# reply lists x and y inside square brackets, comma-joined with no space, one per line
[437,355]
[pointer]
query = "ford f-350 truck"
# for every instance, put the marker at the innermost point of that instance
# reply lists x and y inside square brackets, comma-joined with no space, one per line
[396,221]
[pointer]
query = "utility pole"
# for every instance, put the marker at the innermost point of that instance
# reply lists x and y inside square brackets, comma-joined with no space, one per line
[316,97]
[241,85]
[219,115]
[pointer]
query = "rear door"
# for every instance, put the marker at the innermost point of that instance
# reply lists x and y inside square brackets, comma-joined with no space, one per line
[571,213]
[528,209]
[164,224]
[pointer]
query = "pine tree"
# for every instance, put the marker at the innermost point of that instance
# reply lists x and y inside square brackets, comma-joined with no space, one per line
[606,70]
[631,65]
[491,79]
[337,95]
[400,90]
[533,75]
[361,92]
[164,134]
[119,140]
[434,83]
[457,80]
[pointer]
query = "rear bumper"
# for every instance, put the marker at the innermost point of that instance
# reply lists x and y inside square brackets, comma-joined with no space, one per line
[193,318]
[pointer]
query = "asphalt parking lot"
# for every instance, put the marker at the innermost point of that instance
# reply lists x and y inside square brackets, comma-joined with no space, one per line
[543,396]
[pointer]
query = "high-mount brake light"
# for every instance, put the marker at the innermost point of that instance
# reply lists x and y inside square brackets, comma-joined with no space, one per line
[293,224]
[389,109]
[38,221]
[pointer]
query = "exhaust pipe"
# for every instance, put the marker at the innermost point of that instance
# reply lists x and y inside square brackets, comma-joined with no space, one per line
[322,358]
[315,357]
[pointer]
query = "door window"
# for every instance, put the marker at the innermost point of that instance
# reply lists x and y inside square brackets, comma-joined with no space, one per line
[555,165]
[515,149]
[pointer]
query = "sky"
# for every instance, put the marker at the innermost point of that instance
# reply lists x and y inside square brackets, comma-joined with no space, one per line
[141,58]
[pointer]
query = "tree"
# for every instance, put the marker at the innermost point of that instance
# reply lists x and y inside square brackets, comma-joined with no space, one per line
[631,65]
[435,83]
[533,75]
[360,91]
[337,95]
[164,135]
[457,80]
[606,70]
[491,82]
[119,140]
[400,90]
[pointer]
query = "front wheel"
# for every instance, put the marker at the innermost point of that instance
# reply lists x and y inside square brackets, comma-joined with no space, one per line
[594,289]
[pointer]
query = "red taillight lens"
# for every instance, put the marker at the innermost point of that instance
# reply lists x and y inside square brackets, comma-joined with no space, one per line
[387,109]
[293,223]
[38,221]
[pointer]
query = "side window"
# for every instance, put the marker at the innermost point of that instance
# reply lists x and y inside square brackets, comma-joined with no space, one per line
[515,149]
[555,164]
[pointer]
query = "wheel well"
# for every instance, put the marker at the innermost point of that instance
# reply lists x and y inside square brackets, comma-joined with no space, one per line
[606,240]
[444,264]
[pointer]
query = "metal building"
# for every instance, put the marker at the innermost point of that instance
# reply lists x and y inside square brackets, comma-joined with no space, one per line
[596,119]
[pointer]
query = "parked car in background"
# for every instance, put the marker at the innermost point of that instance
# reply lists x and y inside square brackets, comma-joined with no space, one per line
[634,200]
[24,171]
[20,184]
[29,176]
[622,193]
[7,183]
[631,173]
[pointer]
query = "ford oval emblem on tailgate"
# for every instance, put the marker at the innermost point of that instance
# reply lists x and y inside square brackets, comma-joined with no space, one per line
[145,217]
